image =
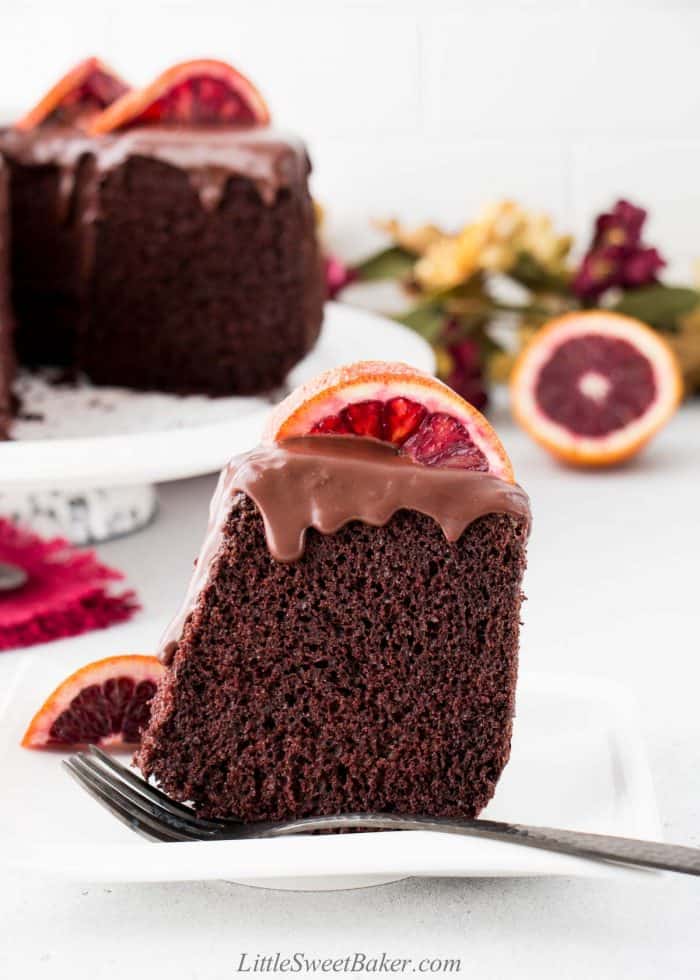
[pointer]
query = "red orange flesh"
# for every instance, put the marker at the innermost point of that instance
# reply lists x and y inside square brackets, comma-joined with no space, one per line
[204,92]
[594,387]
[421,416]
[82,93]
[104,703]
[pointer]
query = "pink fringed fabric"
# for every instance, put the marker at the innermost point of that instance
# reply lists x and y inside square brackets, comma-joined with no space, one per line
[67,591]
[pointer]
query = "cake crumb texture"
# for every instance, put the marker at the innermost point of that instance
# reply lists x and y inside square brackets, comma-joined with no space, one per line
[377,673]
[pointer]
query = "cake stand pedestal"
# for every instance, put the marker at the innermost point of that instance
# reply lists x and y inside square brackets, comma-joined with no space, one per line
[82,516]
[83,461]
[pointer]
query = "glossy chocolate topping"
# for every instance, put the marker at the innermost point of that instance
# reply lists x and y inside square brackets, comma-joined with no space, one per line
[325,482]
[209,155]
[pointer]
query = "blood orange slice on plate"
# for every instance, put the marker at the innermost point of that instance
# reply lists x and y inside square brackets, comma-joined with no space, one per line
[423,418]
[203,92]
[83,92]
[594,387]
[106,703]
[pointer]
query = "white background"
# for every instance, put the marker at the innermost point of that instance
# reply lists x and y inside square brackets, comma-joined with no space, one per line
[428,108]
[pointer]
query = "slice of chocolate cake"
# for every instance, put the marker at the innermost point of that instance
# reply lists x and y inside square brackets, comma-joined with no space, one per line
[349,641]
[7,360]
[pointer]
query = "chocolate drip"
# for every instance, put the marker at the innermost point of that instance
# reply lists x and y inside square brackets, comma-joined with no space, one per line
[209,155]
[324,482]
[210,185]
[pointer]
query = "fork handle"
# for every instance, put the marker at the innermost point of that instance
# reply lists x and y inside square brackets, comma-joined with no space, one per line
[624,850]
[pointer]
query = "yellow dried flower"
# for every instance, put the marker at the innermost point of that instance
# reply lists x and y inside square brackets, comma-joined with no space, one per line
[511,230]
[526,331]
[443,362]
[500,365]
[539,239]
[500,225]
[686,344]
[696,274]
[415,240]
[492,243]
[451,259]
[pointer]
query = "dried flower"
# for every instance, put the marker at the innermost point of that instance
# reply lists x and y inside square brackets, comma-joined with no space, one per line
[459,364]
[539,239]
[493,243]
[451,260]
[338,276]
[599,270]
[617,256]
[686,344]
[621,227]
[414,240]
[641,267]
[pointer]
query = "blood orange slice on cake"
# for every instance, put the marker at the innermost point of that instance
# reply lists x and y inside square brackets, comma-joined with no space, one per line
[423,418]
[107,703]
[83,93]
[594,387]
[203,92]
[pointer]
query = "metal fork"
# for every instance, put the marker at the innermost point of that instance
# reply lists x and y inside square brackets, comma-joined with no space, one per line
[154,815]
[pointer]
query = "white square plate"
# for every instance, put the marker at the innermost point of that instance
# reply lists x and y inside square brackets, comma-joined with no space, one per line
[577,762]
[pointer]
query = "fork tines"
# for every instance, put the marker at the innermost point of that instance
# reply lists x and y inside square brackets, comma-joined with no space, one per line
[136,803]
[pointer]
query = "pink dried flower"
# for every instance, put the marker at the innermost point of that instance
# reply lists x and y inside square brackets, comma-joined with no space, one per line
[617,255]
[620,227]
[338,276]
[460,358]
[642,267]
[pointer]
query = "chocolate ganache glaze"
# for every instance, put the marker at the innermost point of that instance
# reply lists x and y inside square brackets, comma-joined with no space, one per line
[209,155]
[324,482]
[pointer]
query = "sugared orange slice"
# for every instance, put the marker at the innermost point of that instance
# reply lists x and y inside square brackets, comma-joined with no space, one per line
[105,703]
[80,95]
[203,92]
[594,387]
[418,414]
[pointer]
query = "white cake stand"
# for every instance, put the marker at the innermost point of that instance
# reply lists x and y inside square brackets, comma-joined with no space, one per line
[83,462]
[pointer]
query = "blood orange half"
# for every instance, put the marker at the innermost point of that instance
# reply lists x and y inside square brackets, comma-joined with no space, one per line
[83,93]
[203,92]
[418,414]
[105,703]
[594,387]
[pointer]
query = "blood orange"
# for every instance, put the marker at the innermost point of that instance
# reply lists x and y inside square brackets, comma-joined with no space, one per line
[418,414]
[202,92]
[105,703]
[81,94]
[594,387]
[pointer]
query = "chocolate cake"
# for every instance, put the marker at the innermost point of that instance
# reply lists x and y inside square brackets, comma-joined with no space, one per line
[167,254]
[165,259]
[6,351]
[349,640]
[45,272]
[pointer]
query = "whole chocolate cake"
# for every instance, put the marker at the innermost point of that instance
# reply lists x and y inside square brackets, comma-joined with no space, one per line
[167,242]
[349,640]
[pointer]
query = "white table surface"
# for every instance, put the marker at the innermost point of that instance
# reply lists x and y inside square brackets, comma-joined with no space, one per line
[614,590]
